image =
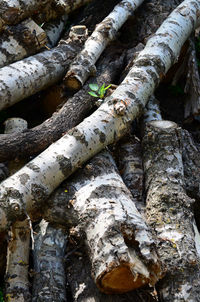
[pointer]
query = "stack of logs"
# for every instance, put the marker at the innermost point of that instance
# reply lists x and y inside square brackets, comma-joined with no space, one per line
[122,227]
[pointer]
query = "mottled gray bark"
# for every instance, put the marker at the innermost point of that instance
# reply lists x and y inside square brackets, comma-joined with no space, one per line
[120,245]
[84,64]
[13,11]
[131,167]
[83,288]
[67,6]
[35,140]
[169,212]
[49,282]
[16,279]
[54,30]
[31,185]
[26,77]
[20,41]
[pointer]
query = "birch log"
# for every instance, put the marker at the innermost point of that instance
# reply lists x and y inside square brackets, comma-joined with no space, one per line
[16,279]
[169,212]
[84,64]
[49,283]
[54,30]
[67,6]
[14,11]
[20,41]
[26,77]
[120,245]
[33,183]
[73,112]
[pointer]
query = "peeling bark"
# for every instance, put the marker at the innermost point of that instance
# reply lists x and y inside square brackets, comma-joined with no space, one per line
[167,207]
[14,11]
[16,279]
[54,30]
[20,41]
[84,64]
[49,267]
[120,245]
[35,140]
[35,181]
[26,77]
[84,289]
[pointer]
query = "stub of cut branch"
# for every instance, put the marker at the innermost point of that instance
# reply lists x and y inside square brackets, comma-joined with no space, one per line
[21,40]
[120,244]
[167,207]
[14,11]
[26,77]
[35,181]
[84,64]
[49,282]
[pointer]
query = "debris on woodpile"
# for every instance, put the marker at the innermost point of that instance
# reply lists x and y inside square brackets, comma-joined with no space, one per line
[99,195]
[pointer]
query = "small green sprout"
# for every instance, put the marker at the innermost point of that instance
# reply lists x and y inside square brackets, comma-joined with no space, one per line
[98,92]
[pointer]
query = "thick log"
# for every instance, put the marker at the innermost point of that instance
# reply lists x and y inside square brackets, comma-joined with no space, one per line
[120,244]
[14,11]
[35,181]
[83,288]
[26,77]
[49,282]
[16,279]
[20,41]
[54,30]
[73,112]
[84,64]
[167,207]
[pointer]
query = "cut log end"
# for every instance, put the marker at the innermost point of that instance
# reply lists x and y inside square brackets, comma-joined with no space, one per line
[72,83]
[163,124]
[121,279]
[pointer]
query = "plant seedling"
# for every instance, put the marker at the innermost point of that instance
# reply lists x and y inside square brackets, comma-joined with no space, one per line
[98,92]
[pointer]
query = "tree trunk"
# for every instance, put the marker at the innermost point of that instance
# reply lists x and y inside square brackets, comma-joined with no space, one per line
[73,112]
[49,282]
[14,11]
[21,41]
[120,245]
[84,64]
[167,207]
[33,183]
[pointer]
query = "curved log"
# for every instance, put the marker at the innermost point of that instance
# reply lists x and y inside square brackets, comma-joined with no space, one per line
[35,181]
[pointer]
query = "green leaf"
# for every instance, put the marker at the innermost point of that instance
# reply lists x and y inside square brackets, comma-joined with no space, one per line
[108,87]
[94,87]
[92,93]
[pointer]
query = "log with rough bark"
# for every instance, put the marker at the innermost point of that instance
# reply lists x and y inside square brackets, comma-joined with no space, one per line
[83,288]
[54,30]
[131,167]
[21,40]
[26,77]
[14,11]
[35,140]
[16,279]
[169,212]
[34,182]
[49,282]
[120,245]
[84,64]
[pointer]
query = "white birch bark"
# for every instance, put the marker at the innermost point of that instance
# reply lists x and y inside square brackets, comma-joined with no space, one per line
[33,183]
[84,64]
[49,282]
[26,77]
[120,244]
[20,41]
[17,283]
[54,30]
[13,11]
[67,6]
